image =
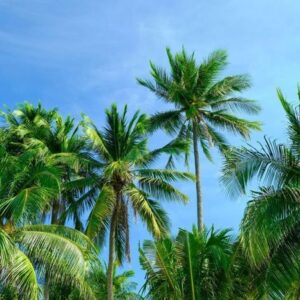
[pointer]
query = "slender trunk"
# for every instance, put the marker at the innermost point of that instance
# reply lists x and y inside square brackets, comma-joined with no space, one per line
[54,220]
[198,183]
[110,294]
[54,214]
[110,267]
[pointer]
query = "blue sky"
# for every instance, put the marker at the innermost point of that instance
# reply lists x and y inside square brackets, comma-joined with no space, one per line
[81,56]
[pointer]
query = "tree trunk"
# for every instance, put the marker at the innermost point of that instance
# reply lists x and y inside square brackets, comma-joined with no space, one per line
[110,267]
[198,183]
[54,214]
[54,220]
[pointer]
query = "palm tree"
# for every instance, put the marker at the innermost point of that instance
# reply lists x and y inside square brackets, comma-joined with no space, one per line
[31,126]
[204,105]
[19,123]
[269,230]
[29,250]
[127,182]
[196,265]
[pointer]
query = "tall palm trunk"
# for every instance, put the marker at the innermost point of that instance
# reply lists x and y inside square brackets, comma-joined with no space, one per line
[54,220]
[112,234]
[198,183]
[54,214]
[110,295]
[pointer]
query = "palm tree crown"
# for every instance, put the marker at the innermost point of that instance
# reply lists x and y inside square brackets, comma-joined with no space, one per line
[57,138]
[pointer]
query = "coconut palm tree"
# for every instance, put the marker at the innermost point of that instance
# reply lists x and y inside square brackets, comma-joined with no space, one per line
[195,265]
[29,250]
[128,184]
[269,230]
[204,104]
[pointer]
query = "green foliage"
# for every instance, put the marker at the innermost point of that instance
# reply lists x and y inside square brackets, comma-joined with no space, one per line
[51,170]
[124,288]
[269,230]
[195,265]
[59,143]
[54,170]
[205,106]
[30,178]
[127,183]
[124,162]
[202,98]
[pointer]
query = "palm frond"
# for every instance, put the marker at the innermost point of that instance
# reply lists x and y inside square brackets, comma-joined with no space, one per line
[149,210]
[101,211]
[273,164]
[161,189]
[58,254]
[20,272]
[71,234]
[227,86]
[233,124]
[159,262]
[269,218]
[293,116]
[28,203]
[236,104]
[170,121]
[96,138]
[168,175]
[210,68]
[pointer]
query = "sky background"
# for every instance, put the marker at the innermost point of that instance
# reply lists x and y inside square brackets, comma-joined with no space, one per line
[81,56]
